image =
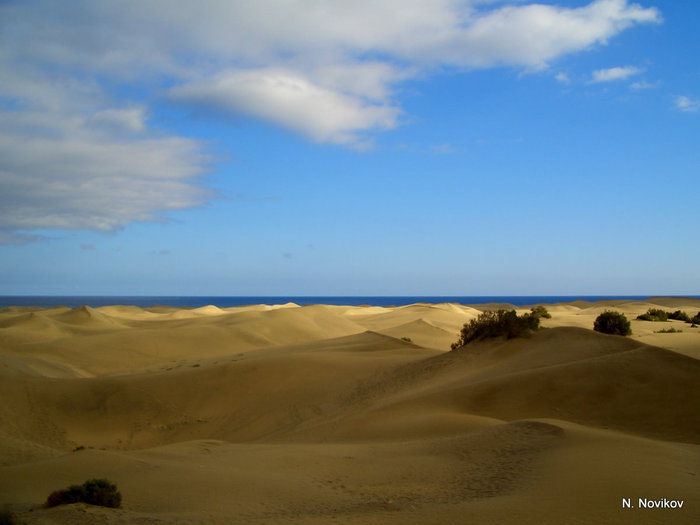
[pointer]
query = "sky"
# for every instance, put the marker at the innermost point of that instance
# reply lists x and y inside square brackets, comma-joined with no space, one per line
[373,147]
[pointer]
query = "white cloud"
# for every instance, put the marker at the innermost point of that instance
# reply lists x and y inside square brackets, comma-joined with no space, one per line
[444,149]
[533,35]
[76,149]
[123,120]
[80,179]
[615,73]
[562,78]
[687,104]
[643,84]
[291,100]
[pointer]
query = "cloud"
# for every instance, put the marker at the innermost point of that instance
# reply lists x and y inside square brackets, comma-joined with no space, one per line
[121,120]
[444,149]
[533,35]
[87,247]
[562,78]
[615,73]
[54,175]
[81,79]
[687,104]
[643,84]
[293,101]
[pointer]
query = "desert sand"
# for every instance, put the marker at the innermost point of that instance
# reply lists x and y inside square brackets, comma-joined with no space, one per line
[350,415]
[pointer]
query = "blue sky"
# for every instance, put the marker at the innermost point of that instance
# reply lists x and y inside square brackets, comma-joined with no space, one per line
[390,147]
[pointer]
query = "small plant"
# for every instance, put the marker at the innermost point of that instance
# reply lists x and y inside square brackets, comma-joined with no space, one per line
[72,494]
[407,339]
[679,315]
[100,492]
[611,322]
[7,517]
[695,320]
[654,314]
[668,331]
[497,324]
[540,311]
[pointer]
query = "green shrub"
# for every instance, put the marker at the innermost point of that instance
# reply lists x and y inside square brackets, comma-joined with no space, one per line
[98,492]
[679,315]
[610,322]
[541,312]
[668,331]
[73,494]
[496,324]
[6,517]
[102,493]
[654,314]
[695,320]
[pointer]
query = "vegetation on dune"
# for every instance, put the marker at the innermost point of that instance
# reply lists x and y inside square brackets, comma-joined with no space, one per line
[668,331]
[496,324]
[654,314]
[679,315]
[541,312]
[611,322]
[6,517]
[100,492]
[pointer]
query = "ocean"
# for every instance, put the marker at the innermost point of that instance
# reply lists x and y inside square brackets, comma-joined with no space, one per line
[228,301]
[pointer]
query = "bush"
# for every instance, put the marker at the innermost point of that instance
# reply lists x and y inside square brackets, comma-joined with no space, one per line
[668,331]
[614,323]
[98,492]
[654,314]
[497,324]
[541,312]
[679,315]
[6,517]
[73,494]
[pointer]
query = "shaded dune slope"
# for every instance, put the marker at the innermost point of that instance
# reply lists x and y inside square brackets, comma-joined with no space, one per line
[570,374]
[368,386]
[244,397]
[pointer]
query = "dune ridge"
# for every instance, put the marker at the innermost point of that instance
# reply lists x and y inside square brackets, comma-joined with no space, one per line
[289,414]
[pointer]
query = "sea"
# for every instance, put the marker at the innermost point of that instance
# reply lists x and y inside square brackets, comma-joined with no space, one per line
[229,301]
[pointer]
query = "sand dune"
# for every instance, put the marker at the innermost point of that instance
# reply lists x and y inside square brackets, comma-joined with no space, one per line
[321,414]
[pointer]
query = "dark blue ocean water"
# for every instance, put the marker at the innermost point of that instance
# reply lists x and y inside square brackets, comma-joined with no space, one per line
[224,302]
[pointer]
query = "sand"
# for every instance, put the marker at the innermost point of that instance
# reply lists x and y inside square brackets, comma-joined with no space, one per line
[354,415]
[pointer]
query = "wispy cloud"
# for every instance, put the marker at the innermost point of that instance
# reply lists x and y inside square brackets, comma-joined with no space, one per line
[444,149]
[76,146]
[687,104]
[562,78]
[643,84]
[615,73]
